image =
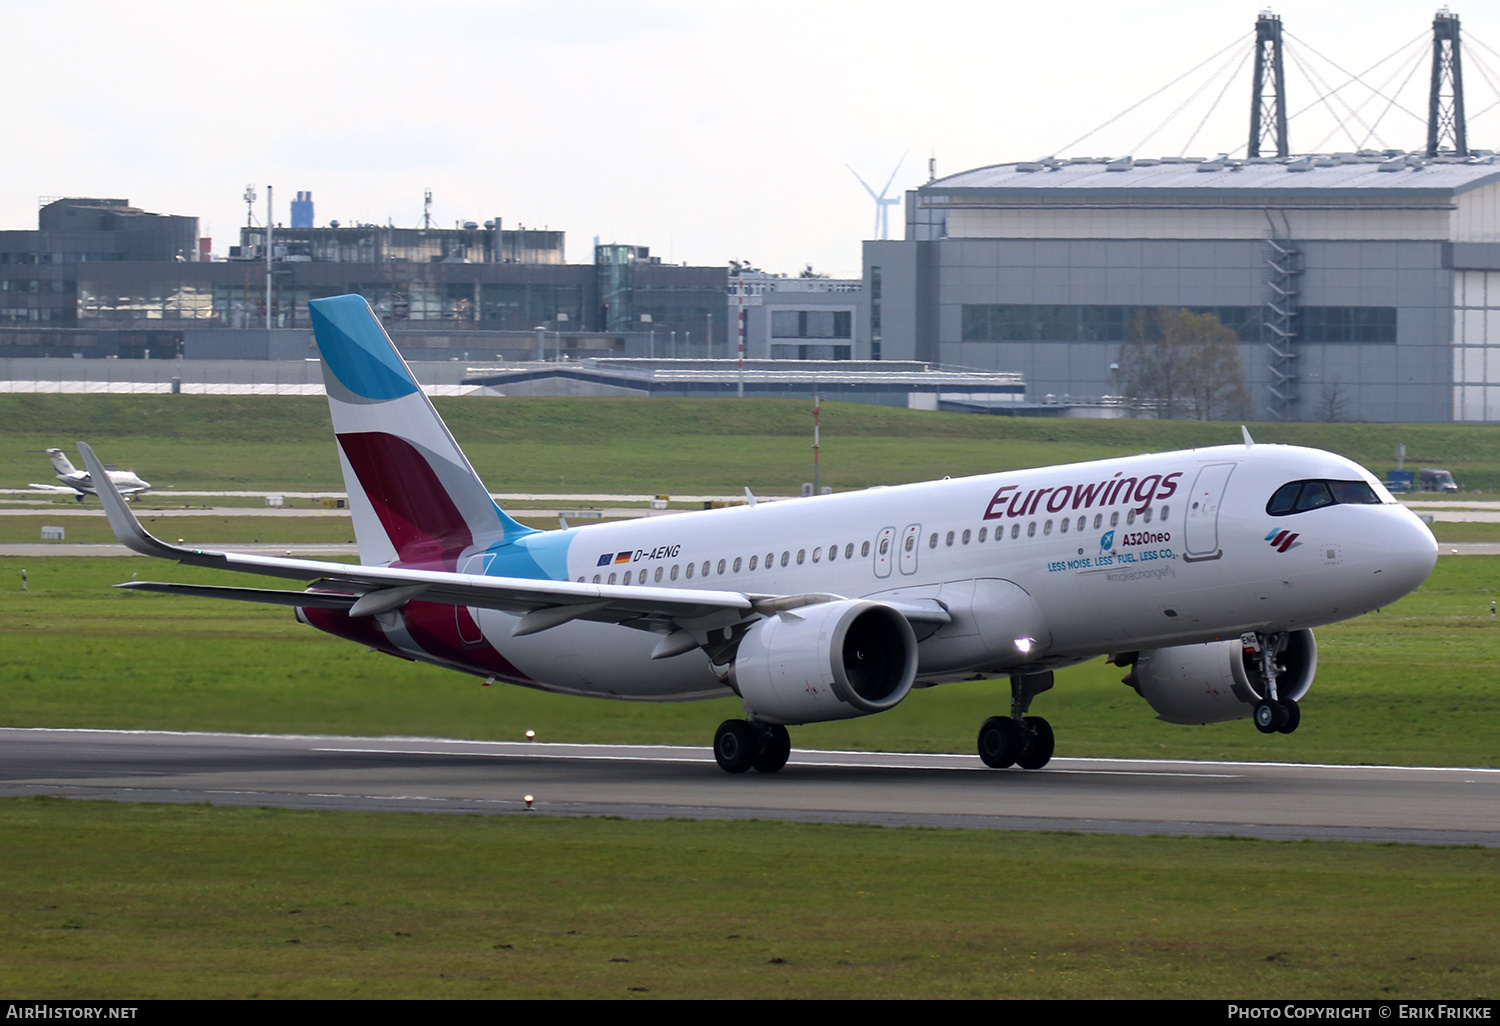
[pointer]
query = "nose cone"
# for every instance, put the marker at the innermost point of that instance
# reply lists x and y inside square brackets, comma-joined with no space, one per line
[1405,553]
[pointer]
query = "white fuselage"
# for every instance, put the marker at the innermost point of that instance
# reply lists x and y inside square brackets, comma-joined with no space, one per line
[127,482]
[1037,568]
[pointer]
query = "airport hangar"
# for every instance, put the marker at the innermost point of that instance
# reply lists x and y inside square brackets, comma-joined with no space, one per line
[1363,286]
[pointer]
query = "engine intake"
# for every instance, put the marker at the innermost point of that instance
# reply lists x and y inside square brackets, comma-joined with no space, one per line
[830,661]
[1219,680]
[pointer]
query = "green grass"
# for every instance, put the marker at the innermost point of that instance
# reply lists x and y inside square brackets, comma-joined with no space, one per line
[1411,684]
[713,446]
[136,901]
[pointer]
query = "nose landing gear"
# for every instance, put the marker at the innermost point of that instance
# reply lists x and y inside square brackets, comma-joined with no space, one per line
[1273,715]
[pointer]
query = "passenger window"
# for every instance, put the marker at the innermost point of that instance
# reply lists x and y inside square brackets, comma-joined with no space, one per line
[1047,527]
[721,566]
[786,557]
[1129,517]
[849,550]
[1082,523]
[983,532]
[1114,519]
[1146,516]
[611,578]
[817,554]
[864,549]
[932,542]
[911,541]
[689,573]
[1064,525]
[596,578]
[737,563]
[674,571]
[770,559]
[1098,521]
[949,540]
[1030,529]
[885,546]
[801,555]
[753,561]
[627,577]
[1165,512]
[658,575]
[966,537]
[705,568]
[1015,530]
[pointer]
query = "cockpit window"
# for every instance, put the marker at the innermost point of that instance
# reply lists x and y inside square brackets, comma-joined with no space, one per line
[1301,496]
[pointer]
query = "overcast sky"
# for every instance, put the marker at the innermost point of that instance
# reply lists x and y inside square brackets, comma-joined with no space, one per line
[705,131]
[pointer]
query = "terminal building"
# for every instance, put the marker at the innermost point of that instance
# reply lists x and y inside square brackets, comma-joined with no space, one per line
[102,278]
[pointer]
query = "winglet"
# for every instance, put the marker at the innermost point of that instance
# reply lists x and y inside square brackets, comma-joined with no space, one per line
[749,497]
[121,520]
[1246,432]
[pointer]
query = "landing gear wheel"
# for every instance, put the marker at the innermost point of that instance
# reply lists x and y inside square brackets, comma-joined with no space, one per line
[1001,740]
[735,746]
[1271,717]
[1038,750]
[774,752]
[1293,716]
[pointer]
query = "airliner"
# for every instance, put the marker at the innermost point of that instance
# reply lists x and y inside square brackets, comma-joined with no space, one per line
[1202,573]
[81,483]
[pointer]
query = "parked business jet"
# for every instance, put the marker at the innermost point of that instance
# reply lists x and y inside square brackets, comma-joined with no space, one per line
[79,482]
[1203,572]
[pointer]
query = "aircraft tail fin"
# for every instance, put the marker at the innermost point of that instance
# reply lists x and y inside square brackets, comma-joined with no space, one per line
[60,462]
[414,497]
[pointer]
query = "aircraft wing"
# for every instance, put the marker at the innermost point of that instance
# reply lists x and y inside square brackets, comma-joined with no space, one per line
[52,488]
[370,590]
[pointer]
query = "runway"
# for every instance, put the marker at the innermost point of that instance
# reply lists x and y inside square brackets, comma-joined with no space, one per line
[1263,800]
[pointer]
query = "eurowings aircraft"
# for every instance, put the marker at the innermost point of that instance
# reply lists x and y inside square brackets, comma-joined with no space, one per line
[81,483]
[1203,572]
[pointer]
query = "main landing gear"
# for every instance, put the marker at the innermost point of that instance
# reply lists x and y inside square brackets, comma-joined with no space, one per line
[1018,739]
[740,745]
[1273,715]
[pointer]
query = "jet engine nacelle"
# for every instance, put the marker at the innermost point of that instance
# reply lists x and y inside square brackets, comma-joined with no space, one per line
[1219,680]
[830,661]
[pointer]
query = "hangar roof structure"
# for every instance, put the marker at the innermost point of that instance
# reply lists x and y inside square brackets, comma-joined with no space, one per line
[1365,175]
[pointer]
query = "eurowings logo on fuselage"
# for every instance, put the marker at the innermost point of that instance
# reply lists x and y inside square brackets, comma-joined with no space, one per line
[1140,493]
[1281,541]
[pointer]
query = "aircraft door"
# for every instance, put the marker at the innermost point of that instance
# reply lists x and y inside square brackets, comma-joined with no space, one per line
[883,542]
[1201,538]
[909,547]
[464,618]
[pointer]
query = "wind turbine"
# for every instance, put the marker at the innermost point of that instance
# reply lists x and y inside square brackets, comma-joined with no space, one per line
[882,205]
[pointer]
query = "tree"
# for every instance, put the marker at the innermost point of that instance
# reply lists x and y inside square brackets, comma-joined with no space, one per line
[1183,364]
[1332,402]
